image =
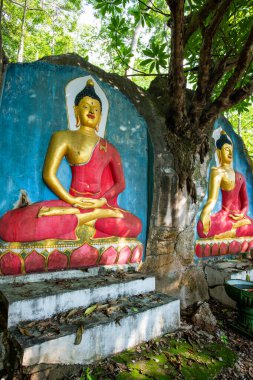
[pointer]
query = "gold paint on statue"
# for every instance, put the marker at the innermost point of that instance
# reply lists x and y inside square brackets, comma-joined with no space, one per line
[103,147]
[84,234]
[222,177]
[77,147]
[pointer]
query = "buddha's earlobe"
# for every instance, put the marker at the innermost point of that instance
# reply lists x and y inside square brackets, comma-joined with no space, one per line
[78,124]
[77,117]
[219,155]
[97,126]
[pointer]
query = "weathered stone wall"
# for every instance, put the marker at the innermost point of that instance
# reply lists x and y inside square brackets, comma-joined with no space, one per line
[3,348]
[170,247]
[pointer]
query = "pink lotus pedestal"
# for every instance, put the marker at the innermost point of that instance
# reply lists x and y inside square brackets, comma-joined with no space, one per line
[214,247]
[53,255]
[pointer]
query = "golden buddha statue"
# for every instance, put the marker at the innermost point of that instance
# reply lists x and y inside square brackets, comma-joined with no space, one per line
[97,180]
[232,220]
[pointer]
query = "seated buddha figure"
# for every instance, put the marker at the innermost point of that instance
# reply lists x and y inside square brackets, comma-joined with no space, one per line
[232,220]
[97,180]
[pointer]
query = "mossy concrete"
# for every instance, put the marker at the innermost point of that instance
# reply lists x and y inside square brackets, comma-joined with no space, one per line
[176,358]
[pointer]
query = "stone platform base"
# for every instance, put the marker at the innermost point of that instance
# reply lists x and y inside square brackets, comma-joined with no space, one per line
[214,247]
[53,255]
[83,318]
[22,301]
[217,273]
[84,339]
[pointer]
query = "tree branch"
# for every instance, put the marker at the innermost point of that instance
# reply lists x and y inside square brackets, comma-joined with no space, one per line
[235,97]
[194,20]
[14,2]
[206,50]
[240,94]
[123,60]
[154,9]
[147,75]
[244,60]
[134,44]
[230,96]
[224,65]
[177,83]
[29,9]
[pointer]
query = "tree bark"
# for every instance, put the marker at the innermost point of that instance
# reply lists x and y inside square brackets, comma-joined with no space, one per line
[196,19]
[134,43]
[177,83]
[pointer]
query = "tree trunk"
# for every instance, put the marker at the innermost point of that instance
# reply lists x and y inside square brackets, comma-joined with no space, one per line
[54,19]
[134,43]
[22,39]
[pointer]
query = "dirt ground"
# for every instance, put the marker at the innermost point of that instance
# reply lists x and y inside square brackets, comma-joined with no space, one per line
[190,353]
[194,352]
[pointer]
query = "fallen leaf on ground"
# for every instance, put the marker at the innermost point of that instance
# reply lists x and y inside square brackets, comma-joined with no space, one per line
[72,312]
[25,332]
[79,334]
[90,309]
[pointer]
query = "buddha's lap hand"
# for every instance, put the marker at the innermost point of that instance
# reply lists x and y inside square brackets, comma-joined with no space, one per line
[86,203]
[236,216]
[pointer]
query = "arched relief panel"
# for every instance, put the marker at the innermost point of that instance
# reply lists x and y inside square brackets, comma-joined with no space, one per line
[231,227]
[33,106]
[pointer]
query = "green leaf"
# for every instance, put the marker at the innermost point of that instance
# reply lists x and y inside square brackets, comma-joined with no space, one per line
[146,61]
[90,309]
[152,66]
[118,9]
[149,53]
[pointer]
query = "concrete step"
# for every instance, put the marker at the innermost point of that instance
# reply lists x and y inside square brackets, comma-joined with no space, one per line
[82,336]
[22,301]
[218,272]
[68,274]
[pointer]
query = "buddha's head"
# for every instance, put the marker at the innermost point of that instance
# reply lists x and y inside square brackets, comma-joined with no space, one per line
[88,107]
[224,149]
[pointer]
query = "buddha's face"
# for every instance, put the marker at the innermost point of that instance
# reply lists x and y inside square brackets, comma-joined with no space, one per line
[226,154]
[88,112]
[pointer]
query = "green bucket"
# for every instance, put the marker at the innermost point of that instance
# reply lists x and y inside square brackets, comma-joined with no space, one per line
[242,293]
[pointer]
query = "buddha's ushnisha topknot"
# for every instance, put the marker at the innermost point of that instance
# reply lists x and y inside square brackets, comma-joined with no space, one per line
[222,140]
[88,90]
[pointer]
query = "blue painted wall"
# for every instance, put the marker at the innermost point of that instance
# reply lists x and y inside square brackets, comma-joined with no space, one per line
[33,107]
[240,164]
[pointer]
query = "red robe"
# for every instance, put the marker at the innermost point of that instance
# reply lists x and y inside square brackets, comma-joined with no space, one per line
[233,201]
[101,176]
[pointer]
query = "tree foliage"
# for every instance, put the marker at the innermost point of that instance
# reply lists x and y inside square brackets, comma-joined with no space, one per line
[45,26]
[204,45]
[242,122]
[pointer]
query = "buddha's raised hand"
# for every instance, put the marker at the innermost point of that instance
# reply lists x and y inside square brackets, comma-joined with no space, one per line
[206,221]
